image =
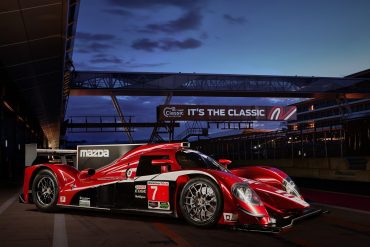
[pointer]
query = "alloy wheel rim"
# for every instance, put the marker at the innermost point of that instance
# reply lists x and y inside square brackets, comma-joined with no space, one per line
[45,191]
[200,202]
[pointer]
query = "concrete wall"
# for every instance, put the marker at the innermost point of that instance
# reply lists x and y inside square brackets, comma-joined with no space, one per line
[323,168]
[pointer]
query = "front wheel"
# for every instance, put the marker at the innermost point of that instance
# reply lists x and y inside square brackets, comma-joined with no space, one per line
[201,202]
[45,191]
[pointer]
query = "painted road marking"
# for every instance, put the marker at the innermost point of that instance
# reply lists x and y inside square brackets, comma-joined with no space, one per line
[8,202]
[171,234]
[60,234]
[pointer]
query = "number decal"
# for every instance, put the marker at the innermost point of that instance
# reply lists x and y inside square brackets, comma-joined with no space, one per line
[158,195]
[155,188]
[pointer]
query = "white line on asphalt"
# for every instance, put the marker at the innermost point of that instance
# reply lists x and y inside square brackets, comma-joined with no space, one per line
[7,203]
[60,233]
[342,208]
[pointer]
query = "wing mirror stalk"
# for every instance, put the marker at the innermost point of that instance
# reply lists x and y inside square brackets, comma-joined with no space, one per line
[224,162]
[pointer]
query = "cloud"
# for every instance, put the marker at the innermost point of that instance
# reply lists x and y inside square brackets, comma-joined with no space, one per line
[168,45]
[145,4]
[191,20]
[165,44]
[94,42]
[203,35]
[88,43]
[93,47]
[283,101]
[145,44]
[84,36]
[234,20]
[120,12]
[145,65]
[104,59]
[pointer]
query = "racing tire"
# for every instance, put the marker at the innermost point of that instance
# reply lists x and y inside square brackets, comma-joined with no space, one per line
[201,202]
[45,191]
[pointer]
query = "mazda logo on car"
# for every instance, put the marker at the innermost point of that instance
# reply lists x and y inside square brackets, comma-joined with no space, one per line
[90,153]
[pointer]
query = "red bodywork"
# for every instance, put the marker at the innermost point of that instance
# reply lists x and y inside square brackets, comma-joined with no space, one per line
[265,181]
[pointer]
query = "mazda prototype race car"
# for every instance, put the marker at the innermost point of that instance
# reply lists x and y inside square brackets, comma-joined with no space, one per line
[173,180]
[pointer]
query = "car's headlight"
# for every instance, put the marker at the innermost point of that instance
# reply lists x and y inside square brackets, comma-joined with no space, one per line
[244,193]
[290,187]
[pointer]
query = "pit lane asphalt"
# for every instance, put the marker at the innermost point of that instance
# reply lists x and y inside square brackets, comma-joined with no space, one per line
[23,225]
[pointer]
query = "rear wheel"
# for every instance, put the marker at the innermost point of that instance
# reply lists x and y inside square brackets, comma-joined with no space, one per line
[201,202]
[45,191]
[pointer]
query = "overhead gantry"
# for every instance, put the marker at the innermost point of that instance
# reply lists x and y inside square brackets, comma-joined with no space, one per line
[224,85]
[216,85]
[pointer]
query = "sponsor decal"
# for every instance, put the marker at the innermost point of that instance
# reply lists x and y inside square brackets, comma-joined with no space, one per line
[172,112]
[140,191]
[130,173]
[62,199]
[97,156]
[282,113]
[84,201]
[91,153]
[226,113]
[140,187]
[158,183]
[159,205]
[230,217]
[140,196]
[164,205]
[153,204]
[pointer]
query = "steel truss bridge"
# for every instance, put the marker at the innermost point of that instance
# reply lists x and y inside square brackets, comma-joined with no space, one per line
[113,84]
[225,85]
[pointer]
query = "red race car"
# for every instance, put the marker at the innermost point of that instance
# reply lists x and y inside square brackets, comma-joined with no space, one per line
[171,179]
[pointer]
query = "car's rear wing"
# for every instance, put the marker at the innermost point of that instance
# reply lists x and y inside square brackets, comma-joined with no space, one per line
[34,155]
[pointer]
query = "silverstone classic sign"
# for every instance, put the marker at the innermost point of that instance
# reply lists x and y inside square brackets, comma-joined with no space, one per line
[225,113]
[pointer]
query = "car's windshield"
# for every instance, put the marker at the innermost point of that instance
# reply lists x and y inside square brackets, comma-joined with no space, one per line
[189,159]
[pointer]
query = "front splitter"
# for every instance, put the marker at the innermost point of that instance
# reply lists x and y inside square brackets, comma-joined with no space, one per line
[282,225]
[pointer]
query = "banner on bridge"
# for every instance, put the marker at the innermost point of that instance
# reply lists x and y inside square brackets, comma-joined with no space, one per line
[225,113]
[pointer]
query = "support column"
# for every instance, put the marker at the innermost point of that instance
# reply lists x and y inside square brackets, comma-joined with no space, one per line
[122,118]
[155,135]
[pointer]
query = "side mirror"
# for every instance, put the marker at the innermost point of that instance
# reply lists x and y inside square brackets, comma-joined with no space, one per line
[163,163]
[224,162]
[86,173]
